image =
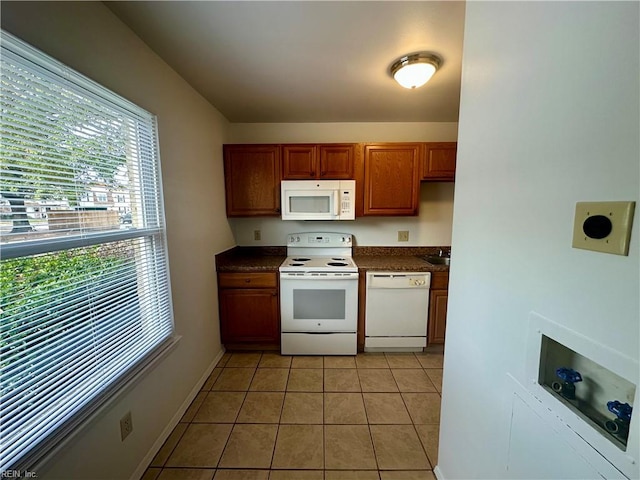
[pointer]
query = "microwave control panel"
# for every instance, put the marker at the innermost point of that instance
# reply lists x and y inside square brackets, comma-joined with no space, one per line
[345,202]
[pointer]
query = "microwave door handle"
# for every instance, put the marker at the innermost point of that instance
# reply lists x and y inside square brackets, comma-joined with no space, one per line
[336,201]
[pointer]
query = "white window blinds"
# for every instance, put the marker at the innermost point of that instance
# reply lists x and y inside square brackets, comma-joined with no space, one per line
[84,285]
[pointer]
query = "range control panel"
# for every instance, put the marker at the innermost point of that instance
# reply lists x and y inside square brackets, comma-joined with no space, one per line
[313,239]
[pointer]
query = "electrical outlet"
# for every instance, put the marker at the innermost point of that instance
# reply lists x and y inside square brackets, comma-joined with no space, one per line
[257,235]
[403,235]
[126,426]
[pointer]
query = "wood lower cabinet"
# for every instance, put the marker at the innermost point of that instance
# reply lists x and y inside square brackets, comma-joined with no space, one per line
[252,180]
[391,178]
[439,162]
[439,296]
[249,308]
[324,161]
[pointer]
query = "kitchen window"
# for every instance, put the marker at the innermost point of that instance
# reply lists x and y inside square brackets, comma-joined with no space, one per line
[85,300]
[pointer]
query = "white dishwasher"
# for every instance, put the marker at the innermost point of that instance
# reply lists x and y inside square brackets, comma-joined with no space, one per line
[397,308]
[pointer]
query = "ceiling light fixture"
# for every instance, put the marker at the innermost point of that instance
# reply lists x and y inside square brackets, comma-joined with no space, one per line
[413,71]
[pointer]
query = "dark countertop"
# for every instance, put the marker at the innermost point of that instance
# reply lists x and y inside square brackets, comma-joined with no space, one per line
[404,263]
[404,259]
[251,259]
[257,259]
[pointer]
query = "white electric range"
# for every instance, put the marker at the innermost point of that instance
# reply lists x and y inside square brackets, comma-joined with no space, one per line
[319,295]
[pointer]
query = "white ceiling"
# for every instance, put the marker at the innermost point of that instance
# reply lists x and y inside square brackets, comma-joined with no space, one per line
[307,61]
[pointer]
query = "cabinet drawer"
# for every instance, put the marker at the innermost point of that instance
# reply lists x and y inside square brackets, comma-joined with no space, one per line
[248,280]
[439,280]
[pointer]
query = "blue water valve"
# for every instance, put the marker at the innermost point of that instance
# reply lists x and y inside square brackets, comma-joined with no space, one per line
[619,425]
[621,410]
[569,377]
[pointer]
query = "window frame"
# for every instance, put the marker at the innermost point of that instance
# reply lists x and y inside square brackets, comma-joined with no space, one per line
[73,423]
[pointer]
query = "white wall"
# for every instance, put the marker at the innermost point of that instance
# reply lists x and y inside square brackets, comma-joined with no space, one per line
[549,117]
[431,228]
[89,38]
[343,132]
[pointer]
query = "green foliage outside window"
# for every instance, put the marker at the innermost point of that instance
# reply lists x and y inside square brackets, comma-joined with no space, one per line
[35,292]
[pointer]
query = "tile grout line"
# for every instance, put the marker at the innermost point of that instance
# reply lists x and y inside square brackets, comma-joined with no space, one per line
[275,442]
[413,424]
[233,426]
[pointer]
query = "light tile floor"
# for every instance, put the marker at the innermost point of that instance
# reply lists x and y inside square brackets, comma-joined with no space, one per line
[263,416]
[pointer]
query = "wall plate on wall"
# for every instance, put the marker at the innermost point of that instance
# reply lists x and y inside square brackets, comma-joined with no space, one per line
[603,226]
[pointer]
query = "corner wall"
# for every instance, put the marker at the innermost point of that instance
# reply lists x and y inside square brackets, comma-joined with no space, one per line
[89,38]
[549,117]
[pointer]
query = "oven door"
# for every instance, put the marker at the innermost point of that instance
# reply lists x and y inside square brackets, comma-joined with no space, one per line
[319,302]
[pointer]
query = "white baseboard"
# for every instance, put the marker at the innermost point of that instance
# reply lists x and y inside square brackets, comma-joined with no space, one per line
[438,473]
[155,448]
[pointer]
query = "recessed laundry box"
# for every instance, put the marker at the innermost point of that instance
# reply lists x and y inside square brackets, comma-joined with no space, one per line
[587,391]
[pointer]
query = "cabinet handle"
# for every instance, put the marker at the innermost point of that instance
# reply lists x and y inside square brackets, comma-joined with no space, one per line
[247,280]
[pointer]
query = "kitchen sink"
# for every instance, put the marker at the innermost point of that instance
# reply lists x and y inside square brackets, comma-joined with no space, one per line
[436,260]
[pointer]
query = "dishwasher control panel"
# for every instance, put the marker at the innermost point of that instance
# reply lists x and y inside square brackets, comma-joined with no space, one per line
[398,280]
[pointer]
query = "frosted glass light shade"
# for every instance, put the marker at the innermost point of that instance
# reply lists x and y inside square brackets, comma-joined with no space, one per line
[413,71]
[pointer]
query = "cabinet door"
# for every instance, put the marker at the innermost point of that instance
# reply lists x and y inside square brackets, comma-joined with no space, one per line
[299,162]
[336,161]
[249,315]
[437,316]
[328,161]
[252,180]
[439,161]
[391,176]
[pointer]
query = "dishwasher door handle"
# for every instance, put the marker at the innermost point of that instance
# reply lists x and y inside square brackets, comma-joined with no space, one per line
[389,275]
[398,280]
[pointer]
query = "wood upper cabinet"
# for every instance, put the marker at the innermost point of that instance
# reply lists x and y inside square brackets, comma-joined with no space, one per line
[249,311]
[252,180]
[392,178]
[325,161]
[438,299]
[336,161]
[298,162]
[439,161]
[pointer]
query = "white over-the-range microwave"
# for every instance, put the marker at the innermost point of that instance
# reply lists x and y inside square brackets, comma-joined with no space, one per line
[318,199]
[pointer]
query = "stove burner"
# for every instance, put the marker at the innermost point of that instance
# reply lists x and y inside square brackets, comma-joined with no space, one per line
[336,264]
[296,264]
[339,259]
[301,259]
